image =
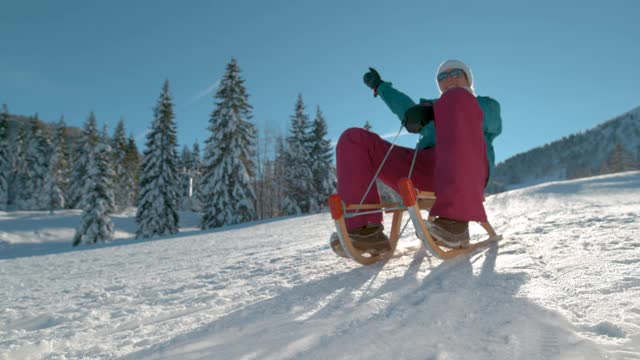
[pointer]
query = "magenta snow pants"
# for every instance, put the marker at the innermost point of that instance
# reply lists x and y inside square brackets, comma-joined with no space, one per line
[456,169]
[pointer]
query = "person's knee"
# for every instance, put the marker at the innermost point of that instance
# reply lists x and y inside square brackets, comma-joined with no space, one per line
[351,136]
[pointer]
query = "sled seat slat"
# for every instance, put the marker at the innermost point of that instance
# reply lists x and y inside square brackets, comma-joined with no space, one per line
[372,206]
[426,195]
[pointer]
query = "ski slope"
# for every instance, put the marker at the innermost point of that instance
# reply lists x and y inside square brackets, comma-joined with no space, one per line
[564,284]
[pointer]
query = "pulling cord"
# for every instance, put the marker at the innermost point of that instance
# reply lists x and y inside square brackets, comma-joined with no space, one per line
[393,144]
[413,162]
[415,155]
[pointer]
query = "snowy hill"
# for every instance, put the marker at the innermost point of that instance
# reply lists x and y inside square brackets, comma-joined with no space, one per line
[564,284]
[612,146]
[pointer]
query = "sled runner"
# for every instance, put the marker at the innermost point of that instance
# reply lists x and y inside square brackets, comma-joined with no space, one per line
[364,257]
[414,201]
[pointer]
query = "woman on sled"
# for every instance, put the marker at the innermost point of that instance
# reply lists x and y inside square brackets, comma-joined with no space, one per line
[455,157]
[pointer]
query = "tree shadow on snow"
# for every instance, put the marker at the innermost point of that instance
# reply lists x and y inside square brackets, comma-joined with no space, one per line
[450,312]
[289,307]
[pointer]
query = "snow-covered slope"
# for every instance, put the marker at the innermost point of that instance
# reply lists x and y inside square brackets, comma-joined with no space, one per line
[564,284]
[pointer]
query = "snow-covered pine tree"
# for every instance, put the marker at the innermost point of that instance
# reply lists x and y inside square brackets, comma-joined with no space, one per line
[119,153]
[324,179]
[96,225]
[20,194]
[83,148]
[33,195]
[5,158]
[229,167]
[132,166]
[196,166]
[196,184]
[18,166]
[58,169]
[65,162]
[298,181]
[619,160]
[184,173]
[107,141]
[158,198]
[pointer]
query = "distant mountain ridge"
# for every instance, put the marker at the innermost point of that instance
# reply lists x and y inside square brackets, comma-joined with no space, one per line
[19,121]
[612,146]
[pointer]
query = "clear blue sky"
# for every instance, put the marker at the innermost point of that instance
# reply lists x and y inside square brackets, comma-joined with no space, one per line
[556,67]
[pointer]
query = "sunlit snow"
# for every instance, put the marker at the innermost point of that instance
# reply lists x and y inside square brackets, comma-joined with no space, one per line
[563,284]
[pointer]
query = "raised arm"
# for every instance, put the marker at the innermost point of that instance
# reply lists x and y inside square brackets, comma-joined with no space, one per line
[397,101]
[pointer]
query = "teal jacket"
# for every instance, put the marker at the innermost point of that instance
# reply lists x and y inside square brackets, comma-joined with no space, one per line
[399,102]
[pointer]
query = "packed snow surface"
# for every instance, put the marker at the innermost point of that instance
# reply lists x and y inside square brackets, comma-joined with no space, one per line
[563,284]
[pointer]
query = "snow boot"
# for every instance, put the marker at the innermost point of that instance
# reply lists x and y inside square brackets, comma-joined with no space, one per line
[369,238]
[450,233]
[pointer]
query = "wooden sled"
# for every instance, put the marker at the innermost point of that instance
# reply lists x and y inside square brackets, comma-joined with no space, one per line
[415,201]
[364,257]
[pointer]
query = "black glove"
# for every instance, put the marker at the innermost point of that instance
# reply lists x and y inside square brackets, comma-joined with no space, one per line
[372,80]
[416,117]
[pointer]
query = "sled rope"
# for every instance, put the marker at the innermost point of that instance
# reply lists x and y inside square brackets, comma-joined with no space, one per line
[413,162]
[373,181]
[375,176]
[415,155]
[404,227]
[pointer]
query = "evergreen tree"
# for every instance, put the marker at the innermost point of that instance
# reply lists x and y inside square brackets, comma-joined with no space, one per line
[190,178]
[298,180]
[33,195]
[106,152]
[18,176]
[5,158]
[195,157]
[104,136]
[619,160]
[324,180]
[184,171]
[132,177]
[119,154]
[58,170]
[96,223]
[158,199]
[196,184]
[79,174]
[229,167]
[21,196]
